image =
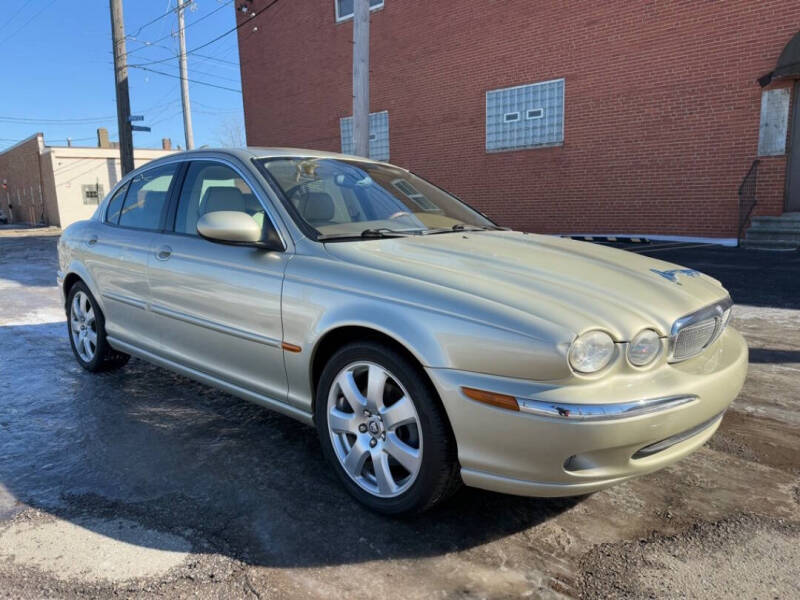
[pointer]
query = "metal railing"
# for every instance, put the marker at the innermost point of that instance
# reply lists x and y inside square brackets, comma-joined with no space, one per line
[747,197]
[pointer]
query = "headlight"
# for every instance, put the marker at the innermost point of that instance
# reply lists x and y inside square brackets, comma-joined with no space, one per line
[591,351]
[644,348]
[726,316]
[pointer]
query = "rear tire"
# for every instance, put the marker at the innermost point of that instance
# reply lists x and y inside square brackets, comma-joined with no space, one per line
[87,332]
[384,430]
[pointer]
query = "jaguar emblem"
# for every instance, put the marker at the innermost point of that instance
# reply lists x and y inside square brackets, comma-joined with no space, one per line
[672,275]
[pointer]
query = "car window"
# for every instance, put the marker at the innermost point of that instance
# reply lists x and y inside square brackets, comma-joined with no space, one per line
[210,187]
[115,205]
[342,197]
[147,194]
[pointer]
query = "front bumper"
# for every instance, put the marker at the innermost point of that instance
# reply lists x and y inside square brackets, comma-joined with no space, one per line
[533,453]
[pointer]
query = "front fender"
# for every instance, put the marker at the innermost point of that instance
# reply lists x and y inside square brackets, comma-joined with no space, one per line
[439,333]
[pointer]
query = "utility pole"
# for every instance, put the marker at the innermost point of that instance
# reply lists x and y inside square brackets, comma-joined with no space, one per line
[121,76]
[361,77]
[187,109]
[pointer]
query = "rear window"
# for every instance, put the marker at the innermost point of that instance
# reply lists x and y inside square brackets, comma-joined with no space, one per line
[115,205]
[146,197]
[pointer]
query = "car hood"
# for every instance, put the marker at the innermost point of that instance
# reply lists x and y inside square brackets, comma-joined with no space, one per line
[578,285]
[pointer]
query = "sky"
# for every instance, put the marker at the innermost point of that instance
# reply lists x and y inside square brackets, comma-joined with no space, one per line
[57,72]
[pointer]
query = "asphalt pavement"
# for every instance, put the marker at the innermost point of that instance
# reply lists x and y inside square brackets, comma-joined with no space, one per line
[141,483]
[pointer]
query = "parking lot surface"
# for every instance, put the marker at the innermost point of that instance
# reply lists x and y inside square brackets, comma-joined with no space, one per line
[142,483]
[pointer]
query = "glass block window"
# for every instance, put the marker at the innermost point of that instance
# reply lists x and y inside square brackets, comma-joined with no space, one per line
[344,8]
[378,135]
[415,195]
[525,116]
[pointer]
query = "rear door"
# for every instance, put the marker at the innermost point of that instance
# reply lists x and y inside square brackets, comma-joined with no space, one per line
[121,246]
[218,306]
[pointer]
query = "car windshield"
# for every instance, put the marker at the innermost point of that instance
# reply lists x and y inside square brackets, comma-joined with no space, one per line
[347,199]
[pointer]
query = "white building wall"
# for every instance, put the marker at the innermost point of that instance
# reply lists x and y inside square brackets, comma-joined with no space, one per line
[74,168]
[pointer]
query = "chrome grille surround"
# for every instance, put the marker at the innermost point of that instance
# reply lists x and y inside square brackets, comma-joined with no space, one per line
[693,333]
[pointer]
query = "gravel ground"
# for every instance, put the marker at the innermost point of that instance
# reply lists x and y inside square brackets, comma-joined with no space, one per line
[140,483]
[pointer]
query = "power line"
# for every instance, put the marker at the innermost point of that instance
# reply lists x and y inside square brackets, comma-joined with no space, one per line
[26,120]
[171,11]
[157,108]
[216,108]
[195,22]
[25,24]
[222,60]
[14,16]
[206,73]
[222,87]
[216,39]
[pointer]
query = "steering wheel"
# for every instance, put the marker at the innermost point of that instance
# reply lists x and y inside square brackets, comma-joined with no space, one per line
[300,187]
[401,213]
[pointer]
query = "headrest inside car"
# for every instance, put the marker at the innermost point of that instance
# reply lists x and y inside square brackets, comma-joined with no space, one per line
[222,198]
[318,207]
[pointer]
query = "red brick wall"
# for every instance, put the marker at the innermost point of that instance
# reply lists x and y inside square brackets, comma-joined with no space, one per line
[661,102]
[20,167]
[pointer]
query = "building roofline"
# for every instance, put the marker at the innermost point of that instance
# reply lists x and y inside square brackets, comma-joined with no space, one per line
[25,141]
[94,151]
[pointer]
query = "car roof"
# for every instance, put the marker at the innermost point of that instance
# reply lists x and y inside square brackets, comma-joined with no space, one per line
[246,153]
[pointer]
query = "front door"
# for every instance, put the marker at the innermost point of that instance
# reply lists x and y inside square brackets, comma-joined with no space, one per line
[218,306]
[793,172]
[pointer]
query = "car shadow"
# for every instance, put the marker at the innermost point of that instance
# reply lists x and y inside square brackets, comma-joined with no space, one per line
[144,444]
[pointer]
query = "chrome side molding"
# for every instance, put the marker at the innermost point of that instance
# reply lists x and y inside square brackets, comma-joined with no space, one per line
[677,438]
[602,412]
[134,302]
[214,326]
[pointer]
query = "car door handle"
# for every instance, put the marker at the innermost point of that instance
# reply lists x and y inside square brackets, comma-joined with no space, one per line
[163,253]
[91,241]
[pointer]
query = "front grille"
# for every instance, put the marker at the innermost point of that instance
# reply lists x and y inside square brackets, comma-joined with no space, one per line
[695,332]
[691,340]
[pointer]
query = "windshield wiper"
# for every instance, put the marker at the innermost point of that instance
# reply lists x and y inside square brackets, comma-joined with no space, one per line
[367,234]
[462,227]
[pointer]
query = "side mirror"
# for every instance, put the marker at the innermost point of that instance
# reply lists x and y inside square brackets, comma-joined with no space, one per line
[232,227]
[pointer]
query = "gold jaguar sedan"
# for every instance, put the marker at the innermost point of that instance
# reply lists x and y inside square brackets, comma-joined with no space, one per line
[428,346]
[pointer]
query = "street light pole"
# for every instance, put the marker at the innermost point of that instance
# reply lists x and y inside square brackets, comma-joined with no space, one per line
[187,109]
[121,78]
[361,77]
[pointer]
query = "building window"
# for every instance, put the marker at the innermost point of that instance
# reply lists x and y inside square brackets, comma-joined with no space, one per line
[525,116]
[378,135]
[344,8]
[774,122]
[92,194]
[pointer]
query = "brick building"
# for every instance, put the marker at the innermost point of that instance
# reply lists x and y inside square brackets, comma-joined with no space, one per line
[555,117]
[58,185]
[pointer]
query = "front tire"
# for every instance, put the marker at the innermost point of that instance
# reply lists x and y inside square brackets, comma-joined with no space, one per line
[384,430]
[87,332]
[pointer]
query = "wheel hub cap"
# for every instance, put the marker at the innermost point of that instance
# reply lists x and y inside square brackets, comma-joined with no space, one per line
[375,427]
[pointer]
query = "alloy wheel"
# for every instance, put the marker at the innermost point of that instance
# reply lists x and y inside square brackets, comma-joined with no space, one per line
[375,429]
[83,327]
